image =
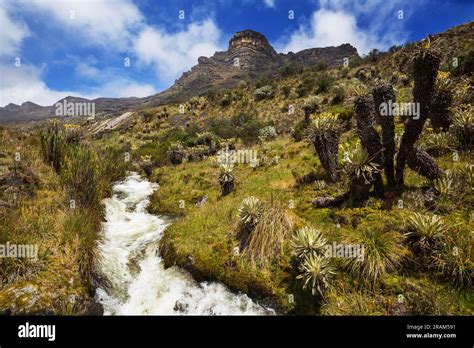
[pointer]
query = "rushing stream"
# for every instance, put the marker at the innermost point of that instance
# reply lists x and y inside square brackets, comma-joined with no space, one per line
[135,280]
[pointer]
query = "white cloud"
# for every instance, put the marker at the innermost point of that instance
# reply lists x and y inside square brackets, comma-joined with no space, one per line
[173,53]
[21,84]
[336,23]
[86,70]
[269,3]
[104,22]
[12,34]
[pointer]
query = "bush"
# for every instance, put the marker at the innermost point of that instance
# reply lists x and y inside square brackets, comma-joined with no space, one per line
[80,175]
[226,100]
[339,95]
[383,254]
[266,239]
[290,69]
[285,90]
[323,82]
[53,145]
[265,92]
[267,132]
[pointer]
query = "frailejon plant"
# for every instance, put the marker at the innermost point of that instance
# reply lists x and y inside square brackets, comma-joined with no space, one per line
[250,211]
[226,178]
[426,230]
[463,126]
[308,240]
[176,153]
[426,62]
[316,273]
[324,132]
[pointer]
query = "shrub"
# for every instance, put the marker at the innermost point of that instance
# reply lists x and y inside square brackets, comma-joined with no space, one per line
[339,95]
[306,241]
[80,175]
[265,92]
[266,240]
[382,254]
[53,145]
[323,82]
[267,132]
[290,69]
[226,100]
[285,90]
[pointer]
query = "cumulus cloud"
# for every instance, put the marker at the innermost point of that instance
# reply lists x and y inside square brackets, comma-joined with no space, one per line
[25,83]
[20,84]
[337,22]
[173,53]
[104,22]
[12,34]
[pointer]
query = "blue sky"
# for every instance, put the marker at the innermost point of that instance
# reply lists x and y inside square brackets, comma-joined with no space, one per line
[83,47]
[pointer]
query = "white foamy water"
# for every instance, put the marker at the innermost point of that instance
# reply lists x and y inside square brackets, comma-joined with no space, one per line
[137,282]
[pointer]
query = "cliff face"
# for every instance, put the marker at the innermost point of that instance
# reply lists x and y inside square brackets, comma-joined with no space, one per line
[248,56]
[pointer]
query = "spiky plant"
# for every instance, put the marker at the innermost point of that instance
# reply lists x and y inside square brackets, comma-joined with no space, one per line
[438,143]
[310,106]
[383,253]
[445,184]
[308,240]
[250,211]
[467,175]
[384,93]
[426,62]
[316,273]
[361,170]
[324,132]
[463,126]
[426,230]
[226,178]
[360,166]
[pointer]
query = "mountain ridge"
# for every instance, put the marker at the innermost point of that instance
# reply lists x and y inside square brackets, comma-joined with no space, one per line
[249,55]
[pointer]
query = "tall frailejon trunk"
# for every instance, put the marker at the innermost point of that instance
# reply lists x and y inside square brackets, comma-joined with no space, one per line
[439,112]
[383,93]
[422,163]
[425,67]
[369,137]
[327,147]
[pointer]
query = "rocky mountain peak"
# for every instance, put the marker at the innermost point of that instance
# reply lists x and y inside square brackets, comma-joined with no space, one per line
[250,39]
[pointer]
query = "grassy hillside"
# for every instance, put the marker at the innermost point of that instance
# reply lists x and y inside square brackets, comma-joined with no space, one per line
[418,256]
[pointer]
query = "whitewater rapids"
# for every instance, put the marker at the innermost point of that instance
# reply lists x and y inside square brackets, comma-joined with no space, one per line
[134,279]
